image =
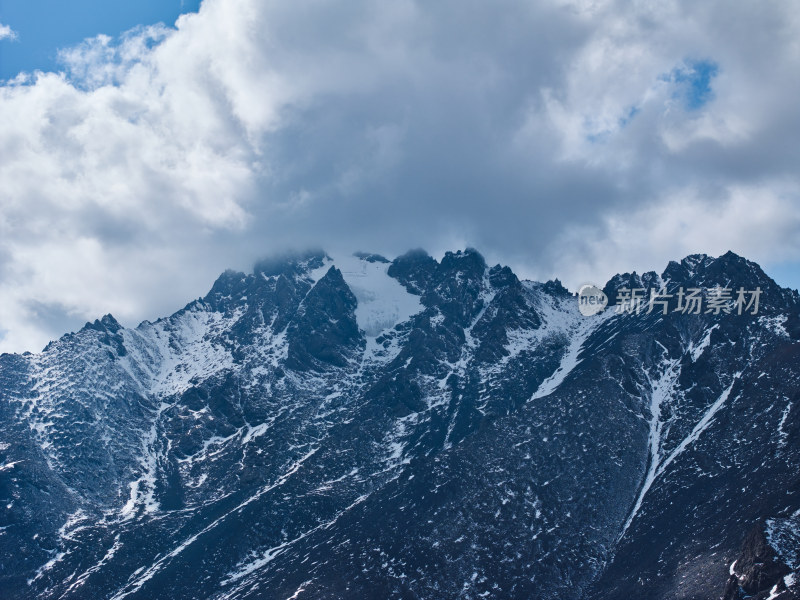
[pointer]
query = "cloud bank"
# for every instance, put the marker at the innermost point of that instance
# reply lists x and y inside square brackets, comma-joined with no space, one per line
[568,138]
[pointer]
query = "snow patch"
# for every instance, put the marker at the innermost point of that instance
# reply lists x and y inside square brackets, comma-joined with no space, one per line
[696,350]
[383,302]
[578,331]
[183,349]
[776,325]
[783,435]
[784,536]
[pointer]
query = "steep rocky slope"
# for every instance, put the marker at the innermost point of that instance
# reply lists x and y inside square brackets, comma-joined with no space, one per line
[360,428]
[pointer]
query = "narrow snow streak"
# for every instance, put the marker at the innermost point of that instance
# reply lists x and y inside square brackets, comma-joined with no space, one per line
[783,436]
[467,353]
[701,426]
[697,350]
[269,555]
[94,569]
[137,584]
[570,360]
[661,392]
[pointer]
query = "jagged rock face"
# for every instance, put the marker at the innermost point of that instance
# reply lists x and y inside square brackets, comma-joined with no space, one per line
[758,572]
[363,428]
[324,332]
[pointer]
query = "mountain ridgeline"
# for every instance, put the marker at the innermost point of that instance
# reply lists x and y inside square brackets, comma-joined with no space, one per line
[354,427]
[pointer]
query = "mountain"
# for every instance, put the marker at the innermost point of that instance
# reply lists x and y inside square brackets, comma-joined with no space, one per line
[363,428]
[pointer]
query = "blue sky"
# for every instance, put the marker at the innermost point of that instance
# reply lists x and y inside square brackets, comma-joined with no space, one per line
[694,82]
[44,26]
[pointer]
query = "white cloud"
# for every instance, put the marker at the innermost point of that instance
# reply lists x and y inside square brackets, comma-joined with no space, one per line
[6,33]
[746,220]
[158,159]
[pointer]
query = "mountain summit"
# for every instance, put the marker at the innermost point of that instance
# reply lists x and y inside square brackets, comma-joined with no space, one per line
[355,427]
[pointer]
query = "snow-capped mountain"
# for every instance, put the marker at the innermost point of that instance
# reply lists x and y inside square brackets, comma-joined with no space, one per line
[353,427]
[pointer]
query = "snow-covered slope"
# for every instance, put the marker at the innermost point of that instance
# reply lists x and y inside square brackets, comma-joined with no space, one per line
[383,302]
[353,427]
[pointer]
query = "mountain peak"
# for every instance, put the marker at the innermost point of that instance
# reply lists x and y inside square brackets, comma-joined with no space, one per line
[554,287]
[469,259]
[291,263]
[107,323]
[727,271]
[322,405]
